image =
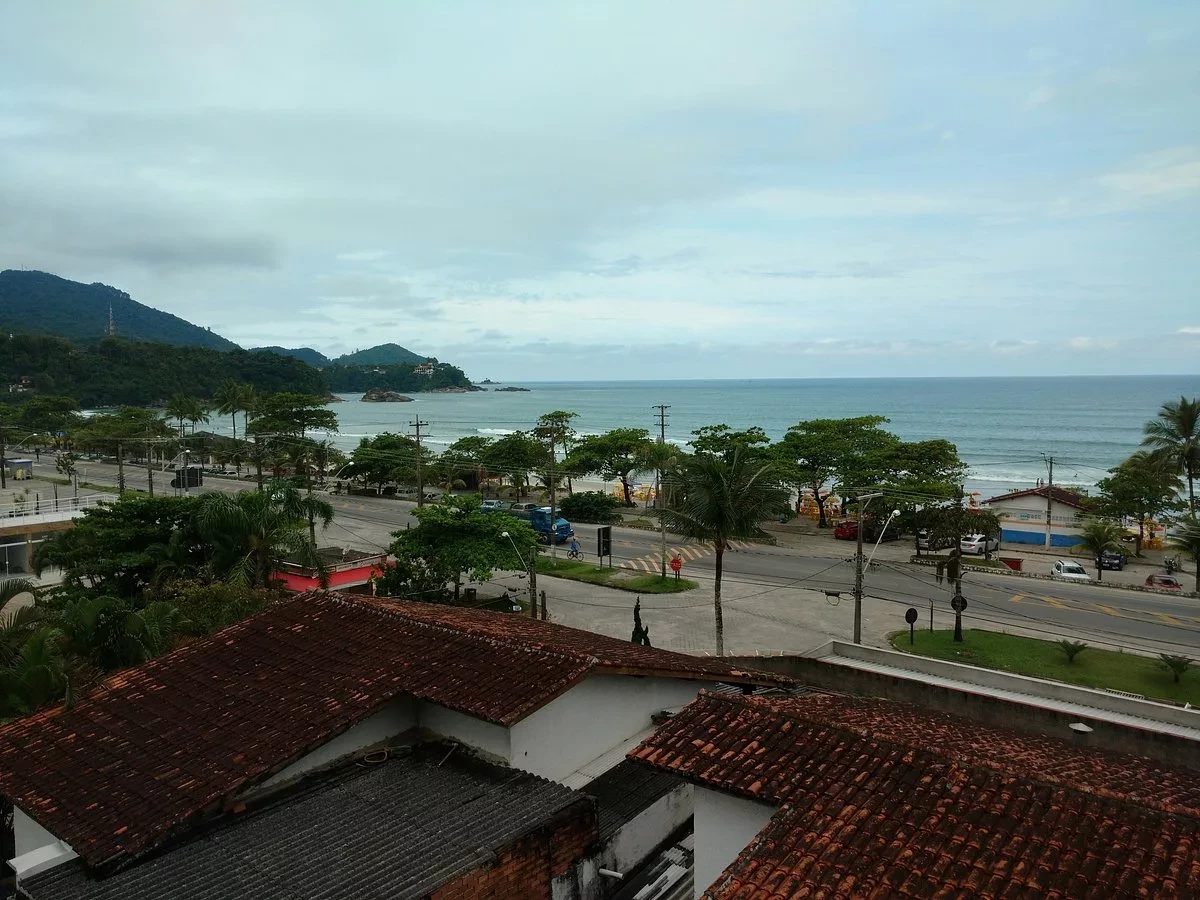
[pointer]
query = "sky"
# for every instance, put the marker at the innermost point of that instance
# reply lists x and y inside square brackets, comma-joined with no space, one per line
[577,190]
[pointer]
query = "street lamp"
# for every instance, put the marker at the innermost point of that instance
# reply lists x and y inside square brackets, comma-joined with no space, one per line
[531,568]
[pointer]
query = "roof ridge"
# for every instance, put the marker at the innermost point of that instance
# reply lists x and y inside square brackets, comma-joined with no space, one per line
[792,711]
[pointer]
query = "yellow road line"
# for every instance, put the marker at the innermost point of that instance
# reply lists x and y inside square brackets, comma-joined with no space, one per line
[1109,611]
[1168,619]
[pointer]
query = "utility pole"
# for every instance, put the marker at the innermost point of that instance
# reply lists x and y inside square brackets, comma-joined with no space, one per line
[533,598]
[120,468]
[862,500]
[3,463]
[418,425]
[1049,499]
[553,529]
[149,464]
[658,502]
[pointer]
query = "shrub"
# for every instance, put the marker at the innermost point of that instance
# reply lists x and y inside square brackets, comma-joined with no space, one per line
[590,506]
[1072,649]
[1177,664]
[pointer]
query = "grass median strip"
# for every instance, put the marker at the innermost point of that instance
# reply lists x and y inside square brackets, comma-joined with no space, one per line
[1093,668]
[622,579]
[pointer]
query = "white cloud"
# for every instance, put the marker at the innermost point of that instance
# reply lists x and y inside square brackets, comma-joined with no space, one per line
[1163,175]
[1190,329]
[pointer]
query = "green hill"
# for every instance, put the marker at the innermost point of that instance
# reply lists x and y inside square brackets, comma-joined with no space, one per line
[382,355]
[304,354]
[42,303]
[115,371]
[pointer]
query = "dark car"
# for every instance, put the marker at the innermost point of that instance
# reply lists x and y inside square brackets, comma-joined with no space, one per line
[1111,559]
[1163,583]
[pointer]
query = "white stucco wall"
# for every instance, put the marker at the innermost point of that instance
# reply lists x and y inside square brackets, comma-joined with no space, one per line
[481,735]
[395,718]
[595,715]
[29,834]
[724,826]
[638,837]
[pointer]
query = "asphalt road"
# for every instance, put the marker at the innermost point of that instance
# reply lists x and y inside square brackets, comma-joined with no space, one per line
[1133,619]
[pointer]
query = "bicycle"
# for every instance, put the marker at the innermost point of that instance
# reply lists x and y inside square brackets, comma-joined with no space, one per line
[574,554]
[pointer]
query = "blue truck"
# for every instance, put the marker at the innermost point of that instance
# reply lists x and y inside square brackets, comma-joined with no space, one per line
[539,518]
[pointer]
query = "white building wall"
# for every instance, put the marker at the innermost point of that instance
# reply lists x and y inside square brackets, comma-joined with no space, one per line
[395,718]
[724,826]
[29,834]
[637,838]
[595,715]
[492,739]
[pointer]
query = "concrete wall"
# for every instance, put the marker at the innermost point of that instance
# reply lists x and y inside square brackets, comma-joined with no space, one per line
[979,707]
[36,849]
[644,833]
[29,835]
[595,715]
[724,826]
[1023,521]
[491,739]
[395,718]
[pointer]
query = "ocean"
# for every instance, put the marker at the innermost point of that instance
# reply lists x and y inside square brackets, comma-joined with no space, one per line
[1001,426]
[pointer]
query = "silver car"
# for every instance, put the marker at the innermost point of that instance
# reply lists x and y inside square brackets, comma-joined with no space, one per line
[1070,571]
[978,544]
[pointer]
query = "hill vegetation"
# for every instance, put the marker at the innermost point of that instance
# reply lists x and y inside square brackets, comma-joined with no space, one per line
[381,355]
[42,303]
[314,358]
[115,371]
[353,379]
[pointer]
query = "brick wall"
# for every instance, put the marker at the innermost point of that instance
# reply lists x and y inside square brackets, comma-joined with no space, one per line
[527,867]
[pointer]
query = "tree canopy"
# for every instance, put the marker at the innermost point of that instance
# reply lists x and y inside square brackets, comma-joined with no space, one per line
[613,455]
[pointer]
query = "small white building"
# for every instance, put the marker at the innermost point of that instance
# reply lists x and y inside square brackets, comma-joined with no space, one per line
[1023,516]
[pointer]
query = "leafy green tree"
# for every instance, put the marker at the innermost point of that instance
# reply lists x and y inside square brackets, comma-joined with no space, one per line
[250,534]
[1143,487]
[110,548]
[47,417]
[556,430]
[948,523]
[661,458]
[723,441]
[515,456]
[613,455]
[64,463]
[1176,433]
[470,452]
[817,452]
[454,538]
[1099,536]
[114,432]
[1187,538]
[717,500]
[590,506]
[387,458]
[293,414]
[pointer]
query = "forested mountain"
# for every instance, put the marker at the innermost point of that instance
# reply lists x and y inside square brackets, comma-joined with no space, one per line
[382,355]
[38,302]
[117,371]
[306,354]
[352,379]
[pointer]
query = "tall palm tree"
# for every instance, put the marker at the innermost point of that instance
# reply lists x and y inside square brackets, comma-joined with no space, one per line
[1098,536]
[251,535]
[718,499]
[1187,537]
[231,398]
[1176,432]
[16,623]
[36,677]
[302,505]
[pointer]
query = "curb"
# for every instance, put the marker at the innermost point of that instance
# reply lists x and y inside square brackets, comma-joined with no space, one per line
[988,570]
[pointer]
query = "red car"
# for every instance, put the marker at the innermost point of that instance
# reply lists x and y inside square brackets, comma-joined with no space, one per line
[846,531]
[1163,583]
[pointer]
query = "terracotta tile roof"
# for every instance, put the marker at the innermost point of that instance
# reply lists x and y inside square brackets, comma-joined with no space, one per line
[1061,495]
[156,746]
[882,799]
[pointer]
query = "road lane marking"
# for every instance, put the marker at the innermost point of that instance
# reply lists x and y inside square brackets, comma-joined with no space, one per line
[1168,619]
[1057,604]
[1109,611]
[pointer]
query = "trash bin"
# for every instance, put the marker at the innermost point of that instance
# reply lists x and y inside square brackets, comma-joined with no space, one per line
[470,594]
[1013,562]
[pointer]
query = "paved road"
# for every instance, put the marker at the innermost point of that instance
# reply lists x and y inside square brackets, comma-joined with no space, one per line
[1133,619]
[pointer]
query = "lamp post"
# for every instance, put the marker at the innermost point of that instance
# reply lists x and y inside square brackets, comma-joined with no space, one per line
[531,568]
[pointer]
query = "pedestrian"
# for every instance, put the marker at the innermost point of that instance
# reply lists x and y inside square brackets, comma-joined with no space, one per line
[941,572]
[37,454]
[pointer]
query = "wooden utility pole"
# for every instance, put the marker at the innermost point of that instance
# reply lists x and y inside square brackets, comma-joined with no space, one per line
[662,523]
[120,467]
[3,462]
[418,425]
[862,500]
[149,464]
[1049,499]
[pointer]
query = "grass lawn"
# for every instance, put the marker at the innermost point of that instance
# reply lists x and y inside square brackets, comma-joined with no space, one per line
[622,579]
[1092,668]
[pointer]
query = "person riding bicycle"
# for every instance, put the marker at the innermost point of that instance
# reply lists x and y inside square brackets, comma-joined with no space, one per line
[574,546]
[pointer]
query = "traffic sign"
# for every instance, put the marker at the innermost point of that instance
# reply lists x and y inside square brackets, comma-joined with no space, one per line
[676,564]
[958,603]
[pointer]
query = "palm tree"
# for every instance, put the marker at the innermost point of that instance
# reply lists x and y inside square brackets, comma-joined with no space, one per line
[718,499]
[1098,536]
[17,623]
[178,407]
[294,504]
[251,535]
[36,677]
[1176,432]
[232,398]
[1187,538]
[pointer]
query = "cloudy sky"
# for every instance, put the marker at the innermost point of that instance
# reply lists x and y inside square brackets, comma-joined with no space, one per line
[625,190]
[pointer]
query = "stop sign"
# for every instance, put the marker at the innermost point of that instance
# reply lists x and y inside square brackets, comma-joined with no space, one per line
[676,564]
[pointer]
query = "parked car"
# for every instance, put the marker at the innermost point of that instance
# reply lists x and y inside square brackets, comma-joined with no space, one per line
[846,531]
[978,544]
[1111,559]
[1069,570]
[523,507]
[1163,583]
[495,505]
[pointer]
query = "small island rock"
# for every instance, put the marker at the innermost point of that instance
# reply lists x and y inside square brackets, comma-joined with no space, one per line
[525,390]
[383,395]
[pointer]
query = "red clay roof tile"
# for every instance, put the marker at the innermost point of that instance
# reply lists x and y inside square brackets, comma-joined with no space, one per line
[156,746]
[882,799]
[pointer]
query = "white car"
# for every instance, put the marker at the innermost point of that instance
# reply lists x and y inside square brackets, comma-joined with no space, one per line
[978,544]
[1071,571]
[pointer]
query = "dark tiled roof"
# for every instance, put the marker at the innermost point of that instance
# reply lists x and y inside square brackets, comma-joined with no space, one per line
[626,790]
[882,799]
[398,829]
[1061,495]
[157,746]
